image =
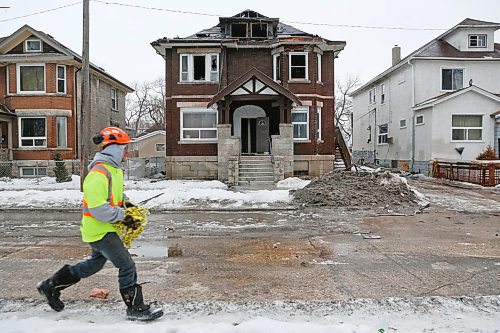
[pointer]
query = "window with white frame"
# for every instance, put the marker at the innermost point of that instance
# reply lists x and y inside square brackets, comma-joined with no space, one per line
[198,124]
[199,67]
[300,122]
[477,40]
[33,45]
[160,147]
[30,78]
[62,132]
[114,99]
[61,79]
[276,67]
[371,96]
[452,78]
[382,93]
[33,171]
[402,123]
[419,120]
[466,127]
[318,123]
[383,133]
[318,59]
[298,66]
[32,132]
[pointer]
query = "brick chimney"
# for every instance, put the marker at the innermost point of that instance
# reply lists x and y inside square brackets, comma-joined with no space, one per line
[396,54]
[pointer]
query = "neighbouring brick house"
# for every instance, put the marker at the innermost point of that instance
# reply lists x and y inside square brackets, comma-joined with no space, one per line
[40,93]
[249,86]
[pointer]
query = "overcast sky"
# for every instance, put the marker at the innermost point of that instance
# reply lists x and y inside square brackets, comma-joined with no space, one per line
[120,36]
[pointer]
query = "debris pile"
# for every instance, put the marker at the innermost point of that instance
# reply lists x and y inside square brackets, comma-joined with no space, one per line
[378,191]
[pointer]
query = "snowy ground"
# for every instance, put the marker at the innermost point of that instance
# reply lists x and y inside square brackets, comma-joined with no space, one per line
[426,314]
[433,314]
[177,194]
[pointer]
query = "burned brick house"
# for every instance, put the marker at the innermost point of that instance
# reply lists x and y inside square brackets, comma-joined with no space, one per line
[249,100]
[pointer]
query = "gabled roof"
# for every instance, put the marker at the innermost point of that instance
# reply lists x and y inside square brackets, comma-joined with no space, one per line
[452,94]
[266,80]
[9,42]
[283,33]
[149,135]
[439,48]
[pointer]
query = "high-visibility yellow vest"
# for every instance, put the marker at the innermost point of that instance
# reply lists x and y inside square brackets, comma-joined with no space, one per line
[103,183]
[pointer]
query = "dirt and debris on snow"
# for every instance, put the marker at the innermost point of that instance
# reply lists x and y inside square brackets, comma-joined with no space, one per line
[380,191]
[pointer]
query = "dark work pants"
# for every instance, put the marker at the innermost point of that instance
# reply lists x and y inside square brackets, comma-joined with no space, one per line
[111,248]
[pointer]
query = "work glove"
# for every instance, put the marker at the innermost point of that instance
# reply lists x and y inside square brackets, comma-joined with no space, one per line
[127,204]
[129,222]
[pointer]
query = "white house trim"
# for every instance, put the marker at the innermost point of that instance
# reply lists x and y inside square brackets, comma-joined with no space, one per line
[438,99]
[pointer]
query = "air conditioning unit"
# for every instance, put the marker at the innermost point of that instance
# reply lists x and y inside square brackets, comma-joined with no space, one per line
[390,140]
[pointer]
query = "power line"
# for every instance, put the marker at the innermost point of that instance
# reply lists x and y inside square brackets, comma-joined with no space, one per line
[294,22]
[41,12]
[219,15]
[155,8]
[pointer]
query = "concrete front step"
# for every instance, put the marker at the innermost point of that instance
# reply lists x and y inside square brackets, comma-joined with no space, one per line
[256,170]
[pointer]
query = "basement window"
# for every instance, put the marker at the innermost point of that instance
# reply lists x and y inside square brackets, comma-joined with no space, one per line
[33,171]
[239,30]
[259,30]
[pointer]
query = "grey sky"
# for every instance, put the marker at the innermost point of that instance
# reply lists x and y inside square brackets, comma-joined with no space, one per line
[120,36]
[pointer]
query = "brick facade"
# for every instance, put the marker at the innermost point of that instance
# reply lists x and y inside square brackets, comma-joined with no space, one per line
[236,58]
[51,104]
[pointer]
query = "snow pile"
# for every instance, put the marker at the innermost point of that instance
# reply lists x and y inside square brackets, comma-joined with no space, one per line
[350,190]
[292,183]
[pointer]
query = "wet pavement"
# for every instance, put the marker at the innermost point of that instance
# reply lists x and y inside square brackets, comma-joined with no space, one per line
[310,254]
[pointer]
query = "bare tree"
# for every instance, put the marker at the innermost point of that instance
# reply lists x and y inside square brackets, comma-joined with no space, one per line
[146,107]
[343,104]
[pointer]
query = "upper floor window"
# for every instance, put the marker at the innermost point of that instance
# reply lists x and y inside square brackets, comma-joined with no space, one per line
[33,45]
[31,78]
[371,96]
[276,67]
[259,30]
[199,67]
[419,120]
[402,123]
[318,123]
[61,79]
[382,93]
[298,66]
[32,132]
[452,78]
[477,40]
[239,30]
[318,59]
[114,99]
[300,122]
[466,127]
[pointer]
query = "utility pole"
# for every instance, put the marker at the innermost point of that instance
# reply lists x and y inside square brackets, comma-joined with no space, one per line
[84,118]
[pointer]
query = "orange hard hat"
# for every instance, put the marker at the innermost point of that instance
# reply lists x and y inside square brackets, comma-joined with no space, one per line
[111,135]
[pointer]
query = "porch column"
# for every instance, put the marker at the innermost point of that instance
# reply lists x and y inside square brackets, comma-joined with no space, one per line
[9,144]
[282,111]
[288,117]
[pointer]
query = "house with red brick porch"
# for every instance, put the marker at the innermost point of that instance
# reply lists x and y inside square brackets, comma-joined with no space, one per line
[250,99]
[40,98]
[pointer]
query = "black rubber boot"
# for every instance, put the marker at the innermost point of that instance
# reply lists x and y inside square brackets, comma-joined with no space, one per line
[51,288]
[136,309]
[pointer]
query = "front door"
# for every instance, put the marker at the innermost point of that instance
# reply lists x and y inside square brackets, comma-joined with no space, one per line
[262,141]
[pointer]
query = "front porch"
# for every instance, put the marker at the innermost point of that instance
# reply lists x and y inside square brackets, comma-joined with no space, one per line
[6,142]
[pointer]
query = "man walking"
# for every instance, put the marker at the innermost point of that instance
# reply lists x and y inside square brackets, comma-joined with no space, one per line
[103,201]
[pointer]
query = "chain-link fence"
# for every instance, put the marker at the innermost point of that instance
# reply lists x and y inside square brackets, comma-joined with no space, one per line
[144,167]
[35,169]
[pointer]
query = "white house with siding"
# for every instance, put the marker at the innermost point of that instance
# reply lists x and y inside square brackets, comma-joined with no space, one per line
[440,102]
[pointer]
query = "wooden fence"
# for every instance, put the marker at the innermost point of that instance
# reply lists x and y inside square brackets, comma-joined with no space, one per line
[485,173]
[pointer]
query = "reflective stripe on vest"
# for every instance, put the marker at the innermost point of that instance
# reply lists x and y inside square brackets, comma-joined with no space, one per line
[99,167]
